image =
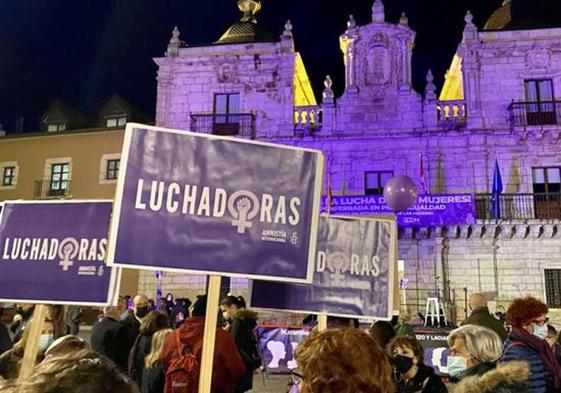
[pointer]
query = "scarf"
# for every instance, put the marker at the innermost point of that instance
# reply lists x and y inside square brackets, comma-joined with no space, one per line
[545,352]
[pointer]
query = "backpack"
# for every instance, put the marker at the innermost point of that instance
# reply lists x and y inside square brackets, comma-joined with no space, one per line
[182,375]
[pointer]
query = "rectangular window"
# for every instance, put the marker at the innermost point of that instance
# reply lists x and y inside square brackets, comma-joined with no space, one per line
[112,171]
[116,121]
[540,105]
[59,178]
[56,127]
[8,176]
[553,287]
[546,182]
[374,181]
[226,114]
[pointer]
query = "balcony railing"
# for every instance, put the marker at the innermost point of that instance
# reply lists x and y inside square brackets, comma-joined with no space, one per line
[231,124]
[307,119]
[451,114]
[520,206]
[534,113]
[50,189]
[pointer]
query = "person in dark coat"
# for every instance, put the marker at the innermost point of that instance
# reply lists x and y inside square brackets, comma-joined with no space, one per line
[24,312]
[180,312]
[481,316]
[526,342]
[153,376]
[242,322]
[153,322]
[474,352]
[5,340]
[131,323]
[107,337]
[411,375]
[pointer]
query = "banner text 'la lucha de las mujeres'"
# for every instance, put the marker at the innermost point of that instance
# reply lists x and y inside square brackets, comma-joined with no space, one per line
[216,205]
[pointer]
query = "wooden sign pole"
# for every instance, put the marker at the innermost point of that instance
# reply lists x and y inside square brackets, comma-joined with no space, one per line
[32,347]
[322,322]
[211,322]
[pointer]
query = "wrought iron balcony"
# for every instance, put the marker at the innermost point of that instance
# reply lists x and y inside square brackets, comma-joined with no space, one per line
[520,206]
[51,189]
[230,124]
[534,113]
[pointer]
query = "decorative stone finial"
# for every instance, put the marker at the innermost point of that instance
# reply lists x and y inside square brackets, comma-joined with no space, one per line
[174,43]
[378,13]
[469,17]
[430,88]
[404,20]
[249,9]
[287,33]
[351,23]
[327,92]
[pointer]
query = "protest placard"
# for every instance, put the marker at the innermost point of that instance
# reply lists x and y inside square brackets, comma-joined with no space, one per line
[216,205]
[353,275]
[54,252]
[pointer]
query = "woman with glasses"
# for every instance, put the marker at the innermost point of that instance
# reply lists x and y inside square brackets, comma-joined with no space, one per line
[528,321]
[474,352]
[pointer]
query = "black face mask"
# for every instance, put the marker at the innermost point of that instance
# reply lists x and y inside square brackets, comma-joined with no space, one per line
[142,311]
[402,363]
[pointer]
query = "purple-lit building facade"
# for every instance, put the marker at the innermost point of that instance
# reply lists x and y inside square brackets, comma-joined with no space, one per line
[498,103]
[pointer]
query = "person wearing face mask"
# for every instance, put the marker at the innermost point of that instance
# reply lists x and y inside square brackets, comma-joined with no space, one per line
[526,342]
[131,324]
[410,374]
[472,363]
[242,322]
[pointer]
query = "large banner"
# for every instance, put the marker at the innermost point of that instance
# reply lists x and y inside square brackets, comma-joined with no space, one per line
[430,210]
[435,344]
[353,275]
[54,252]
[206,204]
[277,345]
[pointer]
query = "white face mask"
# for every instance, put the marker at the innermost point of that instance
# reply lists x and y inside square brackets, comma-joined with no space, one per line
[540,331]
[456,365]
[45,341]
[225,315]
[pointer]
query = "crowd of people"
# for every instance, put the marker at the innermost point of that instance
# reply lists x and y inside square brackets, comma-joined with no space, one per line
[156,348]
[137,346]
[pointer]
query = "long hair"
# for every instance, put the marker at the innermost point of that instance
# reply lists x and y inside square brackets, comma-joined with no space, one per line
[80,371]
[154,321]
[157,343]
[343,361]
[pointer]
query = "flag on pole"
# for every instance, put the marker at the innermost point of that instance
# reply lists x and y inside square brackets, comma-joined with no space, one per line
[497,190]
[423,189]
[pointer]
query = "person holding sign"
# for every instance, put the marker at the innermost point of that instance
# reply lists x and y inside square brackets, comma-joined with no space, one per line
[228,367]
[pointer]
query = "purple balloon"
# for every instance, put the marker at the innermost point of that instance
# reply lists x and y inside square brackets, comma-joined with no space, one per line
[400,193]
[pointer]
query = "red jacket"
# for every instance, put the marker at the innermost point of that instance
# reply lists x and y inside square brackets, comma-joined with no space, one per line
[228,367]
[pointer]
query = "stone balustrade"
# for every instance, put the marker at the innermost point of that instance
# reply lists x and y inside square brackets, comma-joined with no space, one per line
[307,117]
[451,110]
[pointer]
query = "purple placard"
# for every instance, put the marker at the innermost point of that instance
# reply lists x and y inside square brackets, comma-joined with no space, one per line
[353,275]
[54,252]
[277,345]
[430,210]
[207,204]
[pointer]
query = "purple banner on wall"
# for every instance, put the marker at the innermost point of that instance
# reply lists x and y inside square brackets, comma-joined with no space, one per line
[277,345]
[353,273]
[216,205]
[54,252]
[430,210]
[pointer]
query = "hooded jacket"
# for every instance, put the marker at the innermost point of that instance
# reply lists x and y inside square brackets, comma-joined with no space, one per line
[228,367]
[507,377]
[241,329]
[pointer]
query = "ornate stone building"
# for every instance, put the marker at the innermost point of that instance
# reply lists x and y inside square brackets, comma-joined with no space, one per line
[498,103]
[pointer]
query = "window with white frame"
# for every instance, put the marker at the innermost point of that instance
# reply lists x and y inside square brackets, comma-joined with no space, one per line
[8,175]
[109,168]
[112,171]
[56,127]
[116,121]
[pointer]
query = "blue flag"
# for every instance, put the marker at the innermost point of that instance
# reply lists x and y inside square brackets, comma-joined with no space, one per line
[497,190]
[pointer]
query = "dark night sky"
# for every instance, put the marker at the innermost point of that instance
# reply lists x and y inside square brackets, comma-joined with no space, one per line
[84,51]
